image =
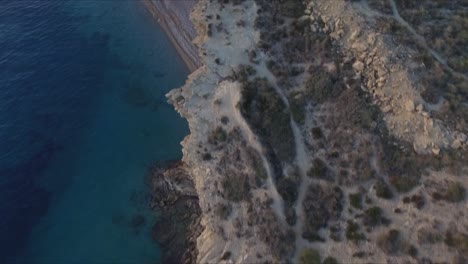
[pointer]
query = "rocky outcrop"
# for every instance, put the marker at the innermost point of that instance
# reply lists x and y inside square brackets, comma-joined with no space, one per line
[308,131]
[178,223]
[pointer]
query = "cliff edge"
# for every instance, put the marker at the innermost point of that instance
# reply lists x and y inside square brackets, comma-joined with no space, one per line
[317,133]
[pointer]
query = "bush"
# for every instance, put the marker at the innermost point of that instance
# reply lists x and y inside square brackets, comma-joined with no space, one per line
[218,135]
[352,231]
[355,200]
[267,114]
[207,156]
[382,190]
[330,260]
[373,216]
[309,256]
[390,242]
[404,183]
[287,188]
[317,133]
[236,187]
[319,86]
[319,169]
[458,241]
[455,193]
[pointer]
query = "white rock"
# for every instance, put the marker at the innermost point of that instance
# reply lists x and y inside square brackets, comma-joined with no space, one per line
[371,39]
[358,66]
[409,105]
[359,46]
[354,35]
[462,137]
[419,108]
[456,144]
[435,150]
[386,109]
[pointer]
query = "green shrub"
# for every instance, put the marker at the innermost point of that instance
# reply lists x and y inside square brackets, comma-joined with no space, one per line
[287,188]
[319,169]
[390,242]
[217,136]
[297,108]
[455,193]
[355,200]
[267,114]
[373,216]
[309,256]
[317,133]
[319,86]
[458,241]
[236,187]
[404,183]
[352,231]
[330,260]
[382,190]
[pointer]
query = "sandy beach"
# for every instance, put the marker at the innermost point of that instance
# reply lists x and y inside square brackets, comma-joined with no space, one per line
[174,18]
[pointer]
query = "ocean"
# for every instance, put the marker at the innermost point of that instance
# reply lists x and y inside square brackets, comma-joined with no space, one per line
[82,117]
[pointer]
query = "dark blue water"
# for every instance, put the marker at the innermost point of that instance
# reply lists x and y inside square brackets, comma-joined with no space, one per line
[82,116]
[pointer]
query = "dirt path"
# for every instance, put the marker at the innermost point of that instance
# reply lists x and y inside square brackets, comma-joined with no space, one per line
[231,97]
[301,159]
[419,39]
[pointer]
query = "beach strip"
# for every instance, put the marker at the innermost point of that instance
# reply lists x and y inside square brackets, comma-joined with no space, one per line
[174,18]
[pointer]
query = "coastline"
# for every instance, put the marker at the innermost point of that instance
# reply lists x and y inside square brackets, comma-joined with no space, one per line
[248,183]
[174,18]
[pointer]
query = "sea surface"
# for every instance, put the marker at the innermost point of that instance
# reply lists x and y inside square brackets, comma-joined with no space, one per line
[82,117]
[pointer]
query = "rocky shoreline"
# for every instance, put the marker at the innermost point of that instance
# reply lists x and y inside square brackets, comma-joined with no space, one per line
[308,119]
[178,223]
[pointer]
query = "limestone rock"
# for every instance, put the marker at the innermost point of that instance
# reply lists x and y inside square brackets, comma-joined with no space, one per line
[409,105]
[358,66]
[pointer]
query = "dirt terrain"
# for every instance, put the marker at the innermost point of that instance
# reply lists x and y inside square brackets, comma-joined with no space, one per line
[329,131]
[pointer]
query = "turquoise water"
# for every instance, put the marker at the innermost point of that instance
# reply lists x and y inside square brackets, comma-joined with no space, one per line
[110,121]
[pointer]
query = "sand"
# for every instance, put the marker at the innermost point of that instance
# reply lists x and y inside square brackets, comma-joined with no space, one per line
[174,18]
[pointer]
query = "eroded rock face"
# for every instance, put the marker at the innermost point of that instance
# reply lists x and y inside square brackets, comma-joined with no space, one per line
[178,225]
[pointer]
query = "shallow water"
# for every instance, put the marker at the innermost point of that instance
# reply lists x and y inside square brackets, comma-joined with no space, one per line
[82,116]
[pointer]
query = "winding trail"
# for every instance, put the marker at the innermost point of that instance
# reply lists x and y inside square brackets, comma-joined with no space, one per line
[232,96]
[366,10]
[301,158]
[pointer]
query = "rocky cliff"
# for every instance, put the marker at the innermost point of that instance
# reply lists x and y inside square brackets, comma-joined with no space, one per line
[316,133]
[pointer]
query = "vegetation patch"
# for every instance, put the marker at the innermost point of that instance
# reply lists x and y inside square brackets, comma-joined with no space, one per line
[374,217]
[320,86]
[218,135]
[297,106]
[382,190]
[319,170]
[404,183]
[321,205]
[390,242]
[457,240]
[355,200]
[353,232]
[236,187]
[454,193]
[330,260]
[268,116]
[309,256]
